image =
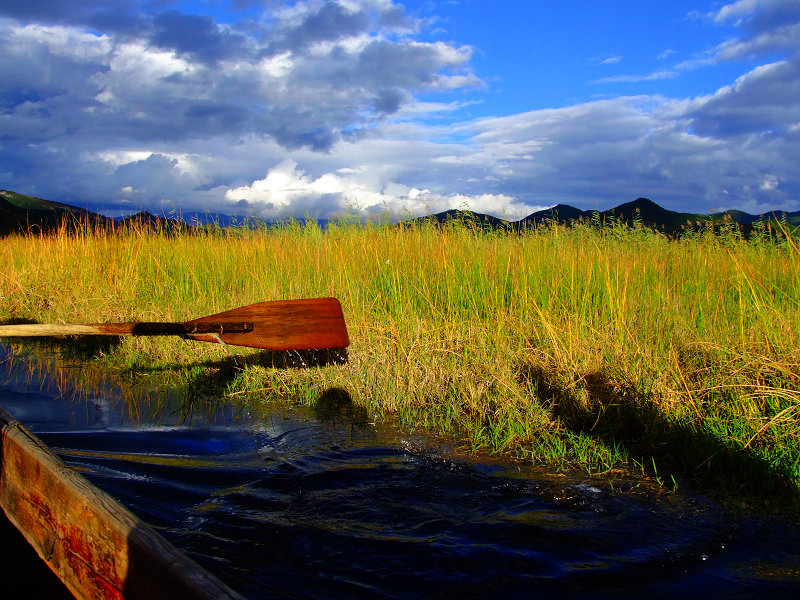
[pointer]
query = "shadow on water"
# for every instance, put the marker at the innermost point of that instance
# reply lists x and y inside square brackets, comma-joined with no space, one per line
[617,414]
[219,373]
[84,347]
[285,501]
[208,378]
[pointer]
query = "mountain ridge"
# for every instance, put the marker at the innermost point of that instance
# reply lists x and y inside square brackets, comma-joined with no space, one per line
[641,210]
[21,213]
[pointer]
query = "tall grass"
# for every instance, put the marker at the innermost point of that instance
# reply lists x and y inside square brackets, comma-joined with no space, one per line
[582,346]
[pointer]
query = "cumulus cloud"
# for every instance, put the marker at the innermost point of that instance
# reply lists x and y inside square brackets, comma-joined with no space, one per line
[765,102]
[601,153]
[315,107]
[768,26]
[289,191]
[623,148]
[302,79]
[198,36]
[758,15]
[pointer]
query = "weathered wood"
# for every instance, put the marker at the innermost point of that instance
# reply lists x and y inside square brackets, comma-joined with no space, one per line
[98,548]
[309,324]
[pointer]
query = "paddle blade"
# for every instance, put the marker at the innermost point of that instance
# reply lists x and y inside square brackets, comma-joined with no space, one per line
[283,325]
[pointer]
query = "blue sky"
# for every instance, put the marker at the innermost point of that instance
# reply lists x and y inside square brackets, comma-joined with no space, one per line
[537,55]
[274,108]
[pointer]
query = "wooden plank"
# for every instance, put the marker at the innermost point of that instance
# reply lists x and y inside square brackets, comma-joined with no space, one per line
[98,548]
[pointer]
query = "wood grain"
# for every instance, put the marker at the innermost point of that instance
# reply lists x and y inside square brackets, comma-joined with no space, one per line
[309,324]
[286,325]
[98,548]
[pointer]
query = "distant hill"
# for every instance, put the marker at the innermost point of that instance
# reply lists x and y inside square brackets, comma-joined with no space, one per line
[28,213]
[145,220]
[467,216]
[31,203]
[560,213]
[20,213]
[641,210]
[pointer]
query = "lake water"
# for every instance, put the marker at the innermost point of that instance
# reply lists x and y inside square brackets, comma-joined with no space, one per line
[290,502]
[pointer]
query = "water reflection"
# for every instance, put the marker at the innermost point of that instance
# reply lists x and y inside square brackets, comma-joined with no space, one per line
[320,504]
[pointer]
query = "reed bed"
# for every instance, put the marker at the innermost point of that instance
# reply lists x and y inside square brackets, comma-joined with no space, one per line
[601,348]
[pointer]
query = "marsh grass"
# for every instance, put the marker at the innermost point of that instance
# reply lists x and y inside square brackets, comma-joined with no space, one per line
[593,347]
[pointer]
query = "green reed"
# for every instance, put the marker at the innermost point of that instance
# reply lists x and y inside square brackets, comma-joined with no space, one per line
[583,346]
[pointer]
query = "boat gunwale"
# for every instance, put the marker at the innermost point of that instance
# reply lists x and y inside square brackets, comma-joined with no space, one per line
[96,546]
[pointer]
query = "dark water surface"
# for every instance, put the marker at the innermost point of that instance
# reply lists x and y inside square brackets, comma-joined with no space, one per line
[287,502]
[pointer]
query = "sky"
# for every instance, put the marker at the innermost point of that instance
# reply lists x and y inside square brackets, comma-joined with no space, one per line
[315,108]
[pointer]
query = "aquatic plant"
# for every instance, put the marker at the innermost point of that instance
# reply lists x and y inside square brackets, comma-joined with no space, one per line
[594,347]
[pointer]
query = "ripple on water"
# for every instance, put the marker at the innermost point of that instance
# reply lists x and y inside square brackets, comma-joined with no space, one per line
[288,505]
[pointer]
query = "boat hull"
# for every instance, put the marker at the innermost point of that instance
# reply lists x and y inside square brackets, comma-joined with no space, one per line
[97,547]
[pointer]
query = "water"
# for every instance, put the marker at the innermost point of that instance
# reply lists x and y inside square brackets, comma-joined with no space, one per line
[287,502]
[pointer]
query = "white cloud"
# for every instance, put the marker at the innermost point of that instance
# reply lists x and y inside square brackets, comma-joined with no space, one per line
[769,183]
[321,105]
[67,42]
[768,27]
[737,10]
[607,152]
[289,191]
[654,76]
[302,80]
[122,157]
[765,101]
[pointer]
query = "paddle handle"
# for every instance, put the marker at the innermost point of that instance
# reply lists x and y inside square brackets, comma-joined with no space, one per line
[141,328]
[41,330]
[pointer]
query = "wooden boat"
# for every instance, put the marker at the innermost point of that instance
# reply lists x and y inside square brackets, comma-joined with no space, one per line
[98,548]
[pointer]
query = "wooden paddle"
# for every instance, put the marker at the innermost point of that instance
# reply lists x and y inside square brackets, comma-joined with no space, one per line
[278,325]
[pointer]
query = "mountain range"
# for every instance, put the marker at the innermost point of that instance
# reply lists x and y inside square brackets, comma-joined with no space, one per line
[21,213]
[641,210]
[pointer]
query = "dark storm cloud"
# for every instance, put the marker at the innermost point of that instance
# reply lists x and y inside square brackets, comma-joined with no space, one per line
[197,35]
[104,15]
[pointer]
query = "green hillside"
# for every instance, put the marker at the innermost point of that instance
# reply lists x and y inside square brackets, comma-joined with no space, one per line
[33,203]
[21,213]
